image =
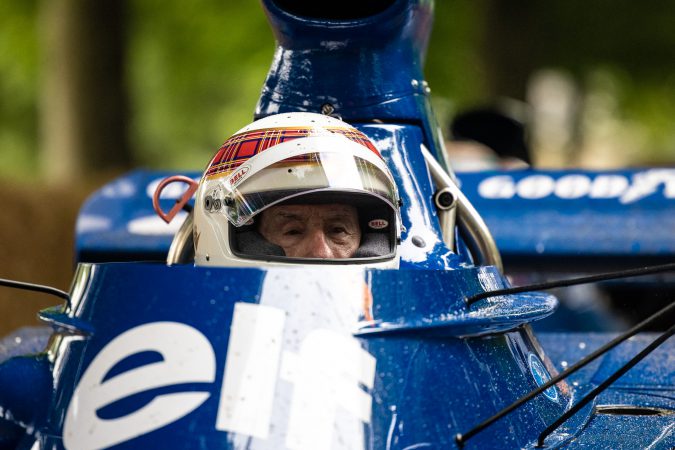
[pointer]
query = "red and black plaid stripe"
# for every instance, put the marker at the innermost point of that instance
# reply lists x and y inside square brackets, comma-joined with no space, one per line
[241,147]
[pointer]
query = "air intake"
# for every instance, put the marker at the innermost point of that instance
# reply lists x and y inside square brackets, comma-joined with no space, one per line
[342,10]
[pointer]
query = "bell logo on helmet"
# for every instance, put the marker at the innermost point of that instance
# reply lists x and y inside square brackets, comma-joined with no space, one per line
[238,175]
[378,224]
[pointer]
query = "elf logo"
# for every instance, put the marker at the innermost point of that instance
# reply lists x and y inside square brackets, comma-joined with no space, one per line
[572,186]
[328,372]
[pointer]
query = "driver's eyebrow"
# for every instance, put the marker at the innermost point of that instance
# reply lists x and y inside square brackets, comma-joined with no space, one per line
[340,215]
[288,215]
[340,220]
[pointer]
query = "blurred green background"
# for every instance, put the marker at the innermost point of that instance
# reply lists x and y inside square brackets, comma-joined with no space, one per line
[89,89]
[190,73]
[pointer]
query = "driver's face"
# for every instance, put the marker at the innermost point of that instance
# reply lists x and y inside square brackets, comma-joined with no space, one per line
[328,231]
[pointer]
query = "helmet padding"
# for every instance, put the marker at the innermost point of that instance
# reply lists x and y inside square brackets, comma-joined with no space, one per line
[372,245]
[251,243]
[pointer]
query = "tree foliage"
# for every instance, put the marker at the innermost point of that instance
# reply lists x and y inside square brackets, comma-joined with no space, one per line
[194,69]
[19,71]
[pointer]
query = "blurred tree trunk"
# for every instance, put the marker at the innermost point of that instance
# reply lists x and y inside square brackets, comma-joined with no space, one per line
[83,96]
[511,45]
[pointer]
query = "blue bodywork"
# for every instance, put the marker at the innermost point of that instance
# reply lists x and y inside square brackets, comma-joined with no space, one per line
[318,357]
[556,214]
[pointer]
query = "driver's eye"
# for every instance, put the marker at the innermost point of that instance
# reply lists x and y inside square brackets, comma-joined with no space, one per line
[292,232]
[339,230]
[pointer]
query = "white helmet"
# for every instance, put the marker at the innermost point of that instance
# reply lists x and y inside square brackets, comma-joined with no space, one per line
[293,158]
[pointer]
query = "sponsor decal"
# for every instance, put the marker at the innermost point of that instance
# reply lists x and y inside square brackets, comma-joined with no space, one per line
[328,371]
[541,376]
[626,189]
[378,224]
[187,357]
[236,177]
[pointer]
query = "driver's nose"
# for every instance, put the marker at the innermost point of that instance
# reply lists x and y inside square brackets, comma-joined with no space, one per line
[317,245]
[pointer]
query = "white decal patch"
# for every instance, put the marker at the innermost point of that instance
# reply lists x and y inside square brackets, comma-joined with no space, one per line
[251,370]
[326,374]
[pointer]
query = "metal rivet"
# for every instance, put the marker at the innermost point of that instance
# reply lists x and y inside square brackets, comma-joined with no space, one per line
[425,86]
[418,241]
[415,83]
[327,109]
